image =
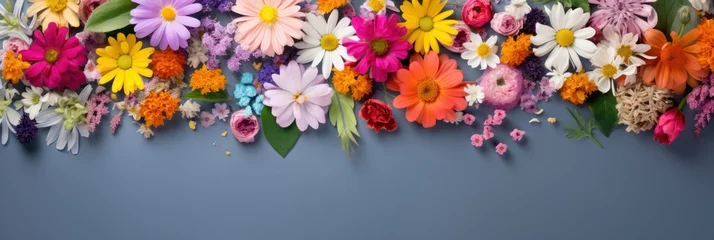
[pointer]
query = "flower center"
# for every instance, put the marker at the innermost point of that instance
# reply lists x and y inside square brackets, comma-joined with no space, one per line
[124,62]
[483,50]
[269,14]
[428,90]
[51,55]
[56,6]
[3,106]
[609,71]
[500,82]
[379,46]
[565,37]
[329,42]
[299,98]
[168,13]
[376,5]
[426,24]
[35,98]
[72,112]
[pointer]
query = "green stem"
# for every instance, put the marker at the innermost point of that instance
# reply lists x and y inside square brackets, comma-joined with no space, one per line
[682,102]
[681,30]
[595,140]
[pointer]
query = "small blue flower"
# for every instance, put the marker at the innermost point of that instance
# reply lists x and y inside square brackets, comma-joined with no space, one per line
[247,111]
[239,91]
[246,78]
[258,104]
[244,101]
[250,91]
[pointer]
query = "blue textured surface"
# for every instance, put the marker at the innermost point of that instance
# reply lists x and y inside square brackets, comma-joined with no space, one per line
[411,184]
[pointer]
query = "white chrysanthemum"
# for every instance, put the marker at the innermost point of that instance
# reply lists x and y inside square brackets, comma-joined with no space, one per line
[626,46]
[474,94]
[567,38]
[32,101]
[322,42]
[518,8]
[608,67]
[480,53]
[67,121]
[8,117]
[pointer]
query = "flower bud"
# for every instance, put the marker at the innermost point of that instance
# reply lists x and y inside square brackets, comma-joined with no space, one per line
[684,15]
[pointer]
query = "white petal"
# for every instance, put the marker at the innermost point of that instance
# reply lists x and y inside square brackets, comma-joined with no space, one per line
[62,140]
[53,134]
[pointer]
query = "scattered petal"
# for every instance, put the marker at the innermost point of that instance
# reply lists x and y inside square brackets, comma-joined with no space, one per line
[534,120]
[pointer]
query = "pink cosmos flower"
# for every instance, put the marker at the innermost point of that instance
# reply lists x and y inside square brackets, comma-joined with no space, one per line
[501,148]
[165,21]
[56,60]
[268,24]
[624,15]
[299,96]
[244,128]
[487,133]
[517,134]
[477,140]
[221,111]
[469,119]
[379,46]
[207,119]
[498,116]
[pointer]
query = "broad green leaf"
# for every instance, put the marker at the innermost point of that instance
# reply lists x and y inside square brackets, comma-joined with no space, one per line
[281,139]
[542,1]
[342,116]
[584,4]
[694,21]
[219,96]
[603,109]
[110,16]
[667,14]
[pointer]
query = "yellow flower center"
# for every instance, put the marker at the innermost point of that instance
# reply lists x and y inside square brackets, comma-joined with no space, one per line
[483,50]
[565,37]
[379,46]
[329,42]
[426,24]
[375,5]
[625,52]
[124,62]
[51,56]
[609,71]
[299,98]
[428,90]
[269,14]
[168,13]
[56,6]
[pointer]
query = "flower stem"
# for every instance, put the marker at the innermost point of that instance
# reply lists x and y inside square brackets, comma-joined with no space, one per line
[682,102]
[595,140]
[681,30]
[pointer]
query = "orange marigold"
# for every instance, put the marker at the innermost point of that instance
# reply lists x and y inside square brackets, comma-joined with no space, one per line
[348,80]
[515,50]
[14,68]
[577,88]
[208,80]
[167,63]
[706,43]
[157,107]
[326,6]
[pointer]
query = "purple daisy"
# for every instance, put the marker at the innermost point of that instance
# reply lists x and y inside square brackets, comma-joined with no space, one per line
[165,21]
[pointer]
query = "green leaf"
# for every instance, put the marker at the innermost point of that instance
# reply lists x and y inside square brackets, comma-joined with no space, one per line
[219,96]
[667,14]
[603,109]
[584,4]
[281,139]
[342,116]
[542,1]
[581,131]
[110,16]
[694,21]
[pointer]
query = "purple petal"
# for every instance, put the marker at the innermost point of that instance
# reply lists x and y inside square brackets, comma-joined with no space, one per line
[188,21]
[188,10]
[157,36]
[147,26]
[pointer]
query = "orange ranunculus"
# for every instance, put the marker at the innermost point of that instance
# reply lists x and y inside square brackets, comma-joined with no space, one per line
[430,89]
[676,63]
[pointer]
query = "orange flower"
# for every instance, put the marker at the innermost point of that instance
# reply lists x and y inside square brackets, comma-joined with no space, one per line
[167,63]
[577,88]
[349,80]
[676,63]
[157,107]
[208,80]
[430,89]
[326,6]
[515,50]
[706,41]
[14,68]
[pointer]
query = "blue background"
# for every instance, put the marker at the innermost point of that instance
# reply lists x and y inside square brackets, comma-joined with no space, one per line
[411,184]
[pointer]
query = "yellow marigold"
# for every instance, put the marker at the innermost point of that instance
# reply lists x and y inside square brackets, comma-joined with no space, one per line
[577,88]
[348,80]
[706,43]
[208,80]
[14,68]
[515,50]
[167,63]
[157,107]
[326,6]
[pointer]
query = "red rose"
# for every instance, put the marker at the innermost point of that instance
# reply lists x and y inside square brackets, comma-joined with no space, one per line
[378,115]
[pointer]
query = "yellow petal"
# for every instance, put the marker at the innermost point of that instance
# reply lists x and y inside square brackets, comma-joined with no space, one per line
[112,51]
[434,44]
[70,17]
[143,71]
[444,38]
[118,81]
[125,47]
[143,53]
[109,76]
[136,47]
[36,8]
[442,16]
[121,37]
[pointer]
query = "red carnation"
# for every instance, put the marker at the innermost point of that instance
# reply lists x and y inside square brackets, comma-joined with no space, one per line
[378,115]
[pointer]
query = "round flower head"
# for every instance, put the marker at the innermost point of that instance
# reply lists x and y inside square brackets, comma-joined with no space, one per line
[503,86]
[124,62]
[608,67]
[676,65]
[165,21]
[427,25]
[323,42]
[299,96]
[56,60]
[60,12]
[378,46]
[463,35]
[518,8]
[567,39]
[243,127]
[480,53]
[625,16]
[477,13]
[268,25]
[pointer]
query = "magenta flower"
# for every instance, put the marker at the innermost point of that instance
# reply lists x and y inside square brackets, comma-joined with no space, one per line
[477,140]
[56,60]
[469,119]
[207,119]
[626,16]
[517,134]
[487,133]
[380,46]
[165,21]
[501,148]
[243,127]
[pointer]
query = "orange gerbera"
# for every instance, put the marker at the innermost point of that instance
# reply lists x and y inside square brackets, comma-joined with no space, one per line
[676,63]
[430,89]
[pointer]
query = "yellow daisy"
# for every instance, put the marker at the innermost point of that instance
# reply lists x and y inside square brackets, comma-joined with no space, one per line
[62,12]
[123,61]
[427,25]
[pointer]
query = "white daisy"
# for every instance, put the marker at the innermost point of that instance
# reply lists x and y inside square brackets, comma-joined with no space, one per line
[322,42]
[558,77]
[608,67]
[9,118]
[474,94]
[32,101]
[518,8]
[626,46]
[480,53]
[67,122]
[566,39]
[16,23]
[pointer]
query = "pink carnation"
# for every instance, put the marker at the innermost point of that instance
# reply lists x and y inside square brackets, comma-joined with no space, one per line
[244,128]
[517,134]
[502,86]
[506,24]
[469,119]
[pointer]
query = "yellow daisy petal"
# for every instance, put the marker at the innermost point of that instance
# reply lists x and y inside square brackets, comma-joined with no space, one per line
[143,53]
[144,71]
[419,44]
[130,78]
[125,47]
[137,46]
[109,76]
[121,37]
[434,43]
[113,42]
[444,38]
[71,17]
[36,7]
[118,81]
[112,51]
[442,16]
[73,5]
[142,63]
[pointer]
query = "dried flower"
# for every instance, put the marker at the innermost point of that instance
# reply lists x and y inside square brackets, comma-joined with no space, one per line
[701,100]
[98,107]
[640,106]
[552,120]
[190,109]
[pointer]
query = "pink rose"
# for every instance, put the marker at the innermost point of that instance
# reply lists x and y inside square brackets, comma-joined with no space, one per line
[506,24]
[87,7]
[476,13]
[669,125]
[244,127]
[13,44]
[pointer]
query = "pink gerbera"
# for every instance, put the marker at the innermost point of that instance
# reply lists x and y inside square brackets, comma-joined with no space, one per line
[625,16]
[269,25]
[56,60]
[379,45]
